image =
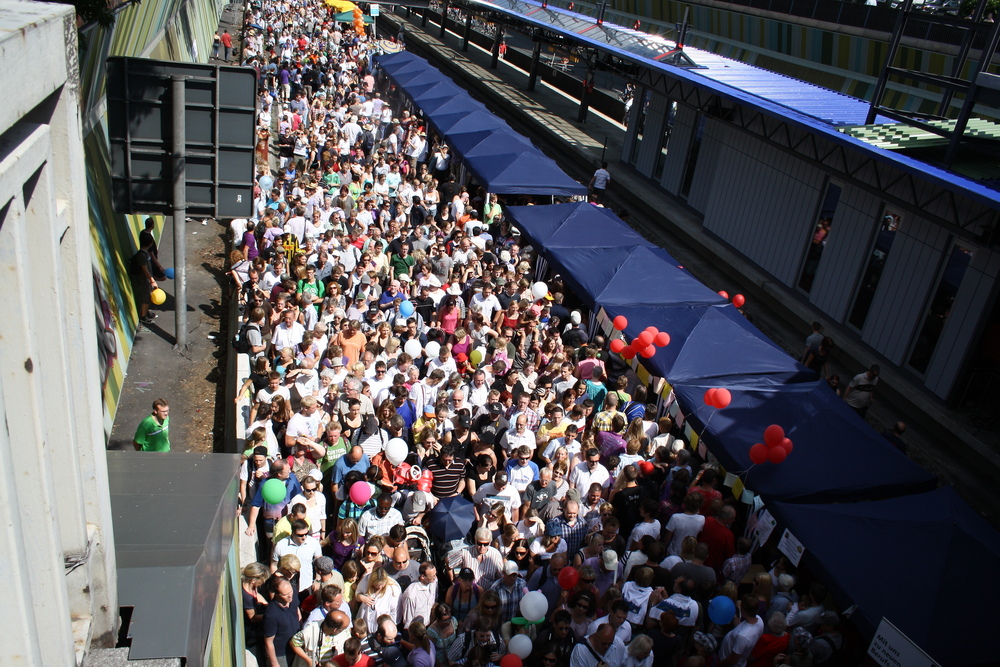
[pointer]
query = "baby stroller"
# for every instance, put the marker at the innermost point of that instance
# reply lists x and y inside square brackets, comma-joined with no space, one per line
[419,544]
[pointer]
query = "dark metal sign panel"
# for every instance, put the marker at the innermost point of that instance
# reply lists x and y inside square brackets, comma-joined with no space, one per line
[219,136]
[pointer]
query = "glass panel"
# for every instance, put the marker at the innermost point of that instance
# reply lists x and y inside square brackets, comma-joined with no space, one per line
[819,237]
[888,227]
[940,309]
[692,160]
[668,127]
[639,117]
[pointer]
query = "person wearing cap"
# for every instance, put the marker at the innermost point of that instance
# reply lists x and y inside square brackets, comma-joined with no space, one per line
[739,642]
[499,491]
[827,641]
[511,587]
[608,568]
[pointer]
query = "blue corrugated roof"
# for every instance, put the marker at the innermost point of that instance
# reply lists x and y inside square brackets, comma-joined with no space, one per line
[796,102]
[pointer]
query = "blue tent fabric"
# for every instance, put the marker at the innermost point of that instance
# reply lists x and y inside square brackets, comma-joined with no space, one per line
[925,562]
[573,225]
[506,163]
[836,457]
[725,344]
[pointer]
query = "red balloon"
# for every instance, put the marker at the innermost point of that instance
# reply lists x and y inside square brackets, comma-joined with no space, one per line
[617,345]
[511,660]
[773,435]
[661,339]
[710,397]
[652,330]
[787,445]
[739,300]
[648,351]
[569,577]
[722,398]
[724,294]
[620,323]
[629,352]
[758,453]
[644,339]
[646,468]
[777,454]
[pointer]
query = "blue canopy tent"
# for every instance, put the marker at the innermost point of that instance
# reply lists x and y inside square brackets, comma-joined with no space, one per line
[926,563]
[510,165]
[498,142]
[724,344]
[837,457]
[573,225]
[450,116]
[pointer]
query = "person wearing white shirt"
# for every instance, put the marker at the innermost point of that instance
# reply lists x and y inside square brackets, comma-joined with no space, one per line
[739,642]
[289,333]
[617,620]
[443,361]
[420,596]
[303,546]
[597,649]
[518,436]
[590,472]
[499,491]
[478,391]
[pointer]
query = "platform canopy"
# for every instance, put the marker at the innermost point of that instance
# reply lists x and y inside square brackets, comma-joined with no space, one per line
[500,159]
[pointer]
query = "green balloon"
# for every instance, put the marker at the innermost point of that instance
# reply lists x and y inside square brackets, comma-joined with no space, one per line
[273,491]
[476,357]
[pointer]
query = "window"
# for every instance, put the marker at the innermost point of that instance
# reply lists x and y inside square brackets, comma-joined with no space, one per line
[820,236]
[668,126]
[940,308]
[888,226]
[692,160]
[637,115]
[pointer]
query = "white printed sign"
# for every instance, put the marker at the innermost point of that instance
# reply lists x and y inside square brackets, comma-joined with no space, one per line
[891,648]
[791,547]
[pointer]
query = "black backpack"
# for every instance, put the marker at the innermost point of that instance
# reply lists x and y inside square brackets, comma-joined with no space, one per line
[241,342]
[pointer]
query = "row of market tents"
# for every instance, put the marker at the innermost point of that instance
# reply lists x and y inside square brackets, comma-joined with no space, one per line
[873,524]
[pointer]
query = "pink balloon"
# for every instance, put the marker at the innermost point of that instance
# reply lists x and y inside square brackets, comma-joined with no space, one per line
[722,398]
[773,435]
[758,453]
[777,454]
[661,339]
[710,397]
[648,351]
[361,493]
[739,300]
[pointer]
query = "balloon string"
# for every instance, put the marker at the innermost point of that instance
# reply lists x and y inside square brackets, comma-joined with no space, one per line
[705,427]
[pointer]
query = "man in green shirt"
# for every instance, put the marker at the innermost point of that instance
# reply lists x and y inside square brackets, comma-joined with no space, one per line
[153,434]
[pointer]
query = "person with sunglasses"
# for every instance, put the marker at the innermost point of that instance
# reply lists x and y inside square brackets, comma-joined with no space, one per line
[558,640]
[303,545]
[481,557]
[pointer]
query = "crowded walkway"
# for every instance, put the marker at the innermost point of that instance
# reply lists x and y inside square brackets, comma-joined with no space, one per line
[442,466]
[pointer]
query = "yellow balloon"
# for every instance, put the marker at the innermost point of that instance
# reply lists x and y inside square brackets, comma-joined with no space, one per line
[158,296]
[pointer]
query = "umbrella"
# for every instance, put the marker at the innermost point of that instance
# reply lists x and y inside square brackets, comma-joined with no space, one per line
[348,17]
[256,26]
[341,5]
[452,518]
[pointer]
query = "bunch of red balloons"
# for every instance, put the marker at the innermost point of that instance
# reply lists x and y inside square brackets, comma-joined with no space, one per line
[738,299]
[644,344]
[718,398]
[775,448]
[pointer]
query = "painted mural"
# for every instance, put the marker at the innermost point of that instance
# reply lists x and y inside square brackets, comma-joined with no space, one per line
[179,30]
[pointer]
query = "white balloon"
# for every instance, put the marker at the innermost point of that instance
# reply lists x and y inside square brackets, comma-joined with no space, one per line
[412,348]
[432,349]
[396,451]
[520,645]
[539,290]
[534,605]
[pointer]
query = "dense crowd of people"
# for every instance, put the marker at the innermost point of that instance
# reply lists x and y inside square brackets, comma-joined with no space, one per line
[408,373]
